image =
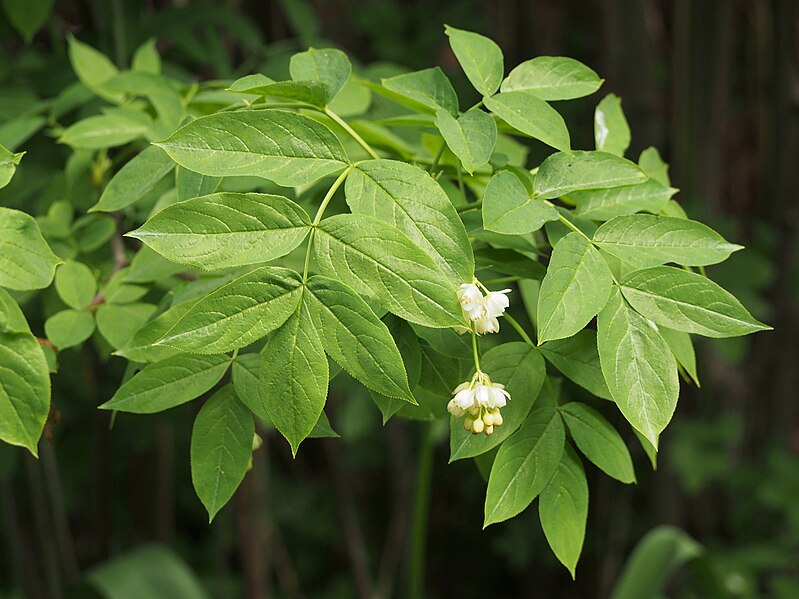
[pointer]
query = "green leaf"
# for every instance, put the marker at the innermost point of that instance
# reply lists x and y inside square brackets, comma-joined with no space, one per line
[656,557]
[12,320]
[652,164]
[75,284]
[644,240]
[106,130]
[162,93]
[148,266]
[563,173]
[445,341]
[553,78]
[93,68]
[356,339]
[563,510]
[69,328]
[91,231]
[287,148]
[639,368]
[575,288]
[238,313]
[328,66]
[377,259]
[16,131]
[605,204]
[117,323]
[521,369]
[8,165]
[140,347]
[531,116]
[146,58]
[226,229]
[674,210]
[509,208]
[310,92]
[480,58]
[119,290]
[28,16]
[524,465]
[471,137]
[168,383]
[599,441]
[578,360]
[611,131]
[650,450]
[26,261]
[244,375]
[24,379]
[686,301]
[192,185]
[135,180]
[683,349]
[429,90]
[410,199]
[294,377]
[509,262]
[136,572]
[221,447]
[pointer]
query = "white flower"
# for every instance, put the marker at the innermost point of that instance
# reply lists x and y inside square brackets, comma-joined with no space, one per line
[486,324]
[496,302]
[472,301]
[482,310]
[479,400]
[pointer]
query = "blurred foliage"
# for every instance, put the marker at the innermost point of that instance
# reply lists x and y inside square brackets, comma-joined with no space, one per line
[728,474]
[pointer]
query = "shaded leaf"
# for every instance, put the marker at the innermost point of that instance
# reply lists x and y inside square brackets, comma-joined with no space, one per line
[575,288]
[226,229]
[221,446]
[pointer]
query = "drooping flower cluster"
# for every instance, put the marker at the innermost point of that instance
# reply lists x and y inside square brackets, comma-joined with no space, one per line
[479,400]
[482,310]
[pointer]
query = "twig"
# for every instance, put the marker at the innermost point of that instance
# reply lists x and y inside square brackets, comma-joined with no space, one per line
[63,535]
[356,546]
[401,491]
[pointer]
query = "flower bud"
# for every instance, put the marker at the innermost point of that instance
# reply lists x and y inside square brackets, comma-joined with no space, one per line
[478,426]
[489,430]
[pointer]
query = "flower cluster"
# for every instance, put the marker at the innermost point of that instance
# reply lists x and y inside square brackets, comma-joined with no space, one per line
[479,400]
[482,310]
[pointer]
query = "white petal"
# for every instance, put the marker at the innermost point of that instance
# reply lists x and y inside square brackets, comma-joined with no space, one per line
[496,302]
[461,387]
[498,397]
[471,300]
[465,399]
[487,324]
[482,394]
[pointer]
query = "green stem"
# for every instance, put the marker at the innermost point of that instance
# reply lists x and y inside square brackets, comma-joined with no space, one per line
[437,158]
[424,475]
[567,222]
[118,15]
[501,280]
[319,213]
[522,333]
[343,124]
[460,183]
[473,206]
[301,105]
[475,352]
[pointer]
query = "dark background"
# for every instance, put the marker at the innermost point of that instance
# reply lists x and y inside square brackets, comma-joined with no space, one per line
[714,84]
